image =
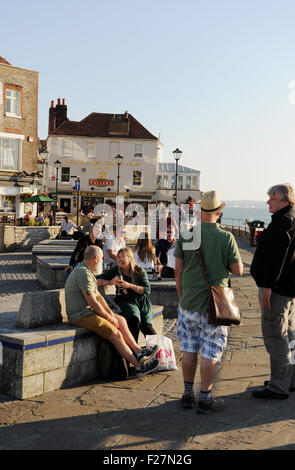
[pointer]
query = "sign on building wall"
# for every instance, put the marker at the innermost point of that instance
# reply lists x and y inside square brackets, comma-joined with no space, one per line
[101,182]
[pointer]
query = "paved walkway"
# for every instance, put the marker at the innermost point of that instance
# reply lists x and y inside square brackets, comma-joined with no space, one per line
[144,414]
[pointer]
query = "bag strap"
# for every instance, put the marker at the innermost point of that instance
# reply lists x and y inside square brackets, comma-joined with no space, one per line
[198,252]
[202,266]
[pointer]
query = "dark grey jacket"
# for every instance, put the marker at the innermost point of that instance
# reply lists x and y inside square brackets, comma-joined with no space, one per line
[273,264]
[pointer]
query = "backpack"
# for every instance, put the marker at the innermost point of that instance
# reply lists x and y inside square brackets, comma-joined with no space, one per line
[111,365]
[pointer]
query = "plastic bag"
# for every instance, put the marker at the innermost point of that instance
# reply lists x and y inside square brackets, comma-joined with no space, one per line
[165,355]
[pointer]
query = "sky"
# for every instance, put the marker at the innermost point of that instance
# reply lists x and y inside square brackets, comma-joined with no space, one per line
[214,78]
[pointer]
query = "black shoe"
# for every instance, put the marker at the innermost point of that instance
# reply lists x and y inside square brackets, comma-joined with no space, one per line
[266,383]
[267,393]
[188,401]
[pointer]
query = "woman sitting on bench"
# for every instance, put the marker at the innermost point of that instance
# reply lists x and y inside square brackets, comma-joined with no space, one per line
[133,292]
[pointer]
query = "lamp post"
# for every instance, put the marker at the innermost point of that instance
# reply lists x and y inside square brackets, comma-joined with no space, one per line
[176,154]
[43,154]
[57,165]
[118,159]
[77,188]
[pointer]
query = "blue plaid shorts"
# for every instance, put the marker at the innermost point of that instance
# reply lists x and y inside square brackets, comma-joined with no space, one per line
[196,335]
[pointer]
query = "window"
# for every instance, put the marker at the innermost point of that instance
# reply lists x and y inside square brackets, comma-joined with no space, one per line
[195,182]
[114,149]
[67,147]
[159,182]
[180,182]
[9,154]
[13,102]
[165,182]
[138,151]
[173,182]
[90,149]
[65,174]
[136,178]
[188,182]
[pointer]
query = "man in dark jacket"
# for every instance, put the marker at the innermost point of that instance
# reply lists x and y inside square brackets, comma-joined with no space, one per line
[273,269]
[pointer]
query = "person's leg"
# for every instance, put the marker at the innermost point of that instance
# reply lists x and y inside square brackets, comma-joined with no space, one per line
[127,335]
[105,329]
[213,344]
[276,335]
[188,337]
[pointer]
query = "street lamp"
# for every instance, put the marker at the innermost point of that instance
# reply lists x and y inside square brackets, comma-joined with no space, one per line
[118,159]
[43,155]
[176,154]
[77,188]
[57,165]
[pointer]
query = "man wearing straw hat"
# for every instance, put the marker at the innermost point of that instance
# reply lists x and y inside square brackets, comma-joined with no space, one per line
[221,255]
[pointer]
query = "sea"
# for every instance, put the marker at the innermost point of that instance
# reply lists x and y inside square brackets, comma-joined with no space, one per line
[250,210]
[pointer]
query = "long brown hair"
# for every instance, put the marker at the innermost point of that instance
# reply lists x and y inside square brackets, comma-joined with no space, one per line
[134,268]
[144,247]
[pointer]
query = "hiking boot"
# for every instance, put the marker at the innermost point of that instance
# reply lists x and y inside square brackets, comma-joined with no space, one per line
[210,406]
[147,368]
[188,400]
[147,353]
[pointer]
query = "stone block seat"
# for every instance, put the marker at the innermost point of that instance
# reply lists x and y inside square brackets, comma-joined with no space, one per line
[54,250]
[50,270]
[41,352]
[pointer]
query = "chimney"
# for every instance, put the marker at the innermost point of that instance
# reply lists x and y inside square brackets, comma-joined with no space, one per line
[57,115]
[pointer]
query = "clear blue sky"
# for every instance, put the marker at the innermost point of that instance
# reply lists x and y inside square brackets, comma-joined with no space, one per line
[210,76]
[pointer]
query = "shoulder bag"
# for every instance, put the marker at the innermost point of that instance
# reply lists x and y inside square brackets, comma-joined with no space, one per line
[223,309]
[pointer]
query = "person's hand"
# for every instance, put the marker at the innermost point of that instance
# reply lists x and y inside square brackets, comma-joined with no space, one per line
[122,284]
[266,294]
[114,321]
[68,268]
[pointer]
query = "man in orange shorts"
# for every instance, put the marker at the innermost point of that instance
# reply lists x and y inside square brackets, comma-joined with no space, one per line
[87,308]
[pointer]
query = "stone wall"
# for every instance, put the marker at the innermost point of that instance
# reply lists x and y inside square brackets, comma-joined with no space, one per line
[24,238]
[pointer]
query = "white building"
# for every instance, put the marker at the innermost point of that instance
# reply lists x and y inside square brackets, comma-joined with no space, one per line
[87,149]
[188,183]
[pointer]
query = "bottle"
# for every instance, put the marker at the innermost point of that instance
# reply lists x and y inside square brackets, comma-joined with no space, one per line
[123,290]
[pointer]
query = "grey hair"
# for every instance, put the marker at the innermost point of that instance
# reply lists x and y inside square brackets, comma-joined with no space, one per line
[91,251]
[286,192]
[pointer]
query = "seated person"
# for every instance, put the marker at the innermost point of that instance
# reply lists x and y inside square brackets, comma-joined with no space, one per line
[162,247]
[133,292]
[28,215]
[145,256]
[113,243]
[66,227]
[78,253]
[86,308]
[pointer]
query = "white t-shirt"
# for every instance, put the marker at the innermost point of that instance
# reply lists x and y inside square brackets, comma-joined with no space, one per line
[147,264]
[67,226]
[114,244]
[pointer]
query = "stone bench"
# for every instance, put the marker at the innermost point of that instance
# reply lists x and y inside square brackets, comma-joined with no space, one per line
[52,356]
[50,270]
[56,251]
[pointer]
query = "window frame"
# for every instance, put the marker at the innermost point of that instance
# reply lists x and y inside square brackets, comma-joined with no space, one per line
[19,150]
[61,174]
[13,89]
[138,155]
[133,178]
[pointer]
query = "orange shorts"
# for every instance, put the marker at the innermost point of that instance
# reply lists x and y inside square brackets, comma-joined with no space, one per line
[94,322]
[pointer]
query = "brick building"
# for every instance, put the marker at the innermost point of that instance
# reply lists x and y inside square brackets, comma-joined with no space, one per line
[18,135]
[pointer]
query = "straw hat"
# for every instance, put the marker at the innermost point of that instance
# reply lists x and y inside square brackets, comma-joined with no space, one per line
[210,202]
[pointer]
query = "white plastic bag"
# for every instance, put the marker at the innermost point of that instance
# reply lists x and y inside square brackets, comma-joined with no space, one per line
[165,355]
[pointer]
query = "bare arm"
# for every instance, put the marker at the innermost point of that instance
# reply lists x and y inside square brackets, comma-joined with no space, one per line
[237,268]
[178,275]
